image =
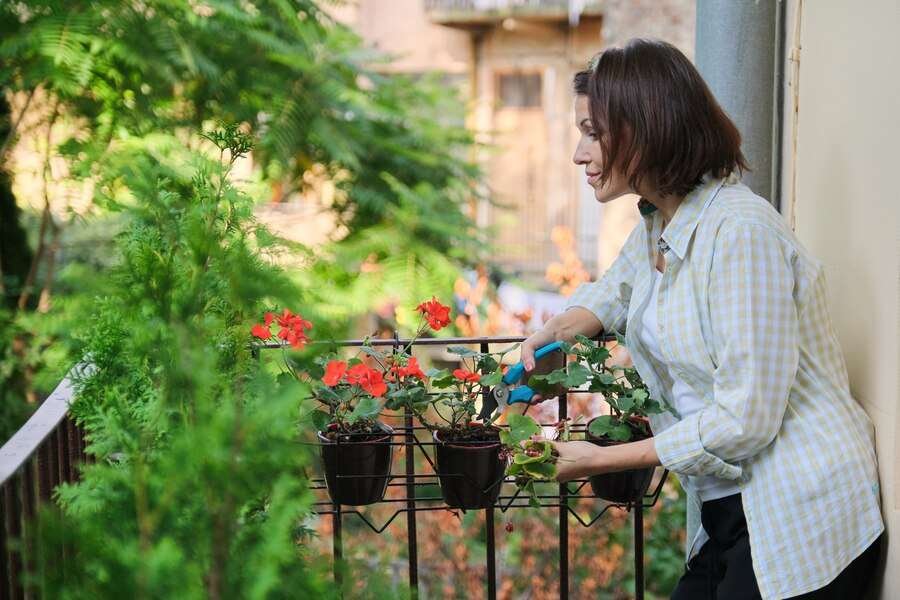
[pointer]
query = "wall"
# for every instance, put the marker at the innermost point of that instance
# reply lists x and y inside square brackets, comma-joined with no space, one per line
[845,205]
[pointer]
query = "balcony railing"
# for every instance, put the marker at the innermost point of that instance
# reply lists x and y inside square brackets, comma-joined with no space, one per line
[46,451]
[484,12]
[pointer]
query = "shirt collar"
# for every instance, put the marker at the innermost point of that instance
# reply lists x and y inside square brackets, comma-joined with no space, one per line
[679,231]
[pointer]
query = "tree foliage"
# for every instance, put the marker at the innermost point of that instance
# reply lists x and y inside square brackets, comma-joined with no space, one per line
[197,490]
[117,82]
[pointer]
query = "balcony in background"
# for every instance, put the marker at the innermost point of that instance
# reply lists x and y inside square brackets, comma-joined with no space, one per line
[479,13]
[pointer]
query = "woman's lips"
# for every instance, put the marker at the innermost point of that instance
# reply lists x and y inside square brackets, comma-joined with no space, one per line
[593,180]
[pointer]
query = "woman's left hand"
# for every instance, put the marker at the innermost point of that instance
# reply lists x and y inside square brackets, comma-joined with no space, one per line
[577,460]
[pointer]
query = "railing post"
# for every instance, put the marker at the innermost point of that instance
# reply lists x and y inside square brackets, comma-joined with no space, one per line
[5,583]
[563,413]
[14,533]
[639,549]
[337,548]
[72,451]
[411,533]
[489,531]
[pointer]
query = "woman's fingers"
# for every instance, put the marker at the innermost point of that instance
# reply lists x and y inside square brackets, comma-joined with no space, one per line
[528,355]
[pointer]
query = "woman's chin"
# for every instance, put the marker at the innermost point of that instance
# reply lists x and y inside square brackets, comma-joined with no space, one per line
[604,195]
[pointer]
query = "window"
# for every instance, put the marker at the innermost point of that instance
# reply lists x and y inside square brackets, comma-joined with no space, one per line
[519,90]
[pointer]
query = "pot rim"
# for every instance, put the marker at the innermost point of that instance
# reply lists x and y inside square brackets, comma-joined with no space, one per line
[388,431]
[481,446]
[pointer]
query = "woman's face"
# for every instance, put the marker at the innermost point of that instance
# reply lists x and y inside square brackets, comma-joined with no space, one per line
[589,154]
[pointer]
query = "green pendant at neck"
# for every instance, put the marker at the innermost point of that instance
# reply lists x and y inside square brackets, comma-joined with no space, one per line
[646,207]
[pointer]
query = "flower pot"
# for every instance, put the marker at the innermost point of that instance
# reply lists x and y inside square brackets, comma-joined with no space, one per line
[623,486]
[357,472]
[470,472]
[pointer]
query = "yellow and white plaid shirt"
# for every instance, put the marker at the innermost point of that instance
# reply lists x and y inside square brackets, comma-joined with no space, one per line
[743,320]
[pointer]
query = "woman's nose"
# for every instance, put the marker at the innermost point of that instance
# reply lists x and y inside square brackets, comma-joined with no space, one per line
[580,157]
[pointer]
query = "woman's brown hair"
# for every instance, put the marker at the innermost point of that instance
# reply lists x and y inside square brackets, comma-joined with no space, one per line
[656,118]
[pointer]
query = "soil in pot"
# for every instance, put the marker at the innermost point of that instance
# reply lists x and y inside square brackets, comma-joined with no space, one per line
[469,465]
[357,463]
[623,486]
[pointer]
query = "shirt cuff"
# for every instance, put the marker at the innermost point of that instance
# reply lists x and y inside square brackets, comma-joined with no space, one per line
[680,450]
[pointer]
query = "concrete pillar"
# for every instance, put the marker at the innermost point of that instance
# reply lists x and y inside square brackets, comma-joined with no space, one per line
[736,54]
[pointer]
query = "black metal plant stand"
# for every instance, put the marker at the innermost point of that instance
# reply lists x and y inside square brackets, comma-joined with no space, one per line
[414,503]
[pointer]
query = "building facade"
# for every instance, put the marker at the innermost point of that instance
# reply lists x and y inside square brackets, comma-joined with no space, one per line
[513,61]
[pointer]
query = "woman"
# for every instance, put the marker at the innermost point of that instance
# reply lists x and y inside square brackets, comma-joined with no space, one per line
[727,323]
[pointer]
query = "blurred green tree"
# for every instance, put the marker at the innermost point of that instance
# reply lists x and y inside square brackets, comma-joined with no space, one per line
[197,489]
[96,78]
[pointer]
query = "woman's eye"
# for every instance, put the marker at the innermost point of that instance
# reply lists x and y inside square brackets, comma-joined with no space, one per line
[592,135]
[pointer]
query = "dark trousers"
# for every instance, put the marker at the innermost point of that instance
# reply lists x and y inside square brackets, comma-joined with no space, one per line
[722,569]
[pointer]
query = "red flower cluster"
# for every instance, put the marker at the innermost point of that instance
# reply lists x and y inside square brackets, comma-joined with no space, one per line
[293,328]
[368,379]
[334,372]
[466,376]
[437,315]
[411,369]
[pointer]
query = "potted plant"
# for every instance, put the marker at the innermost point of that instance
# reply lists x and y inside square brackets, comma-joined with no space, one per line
[630,405]
[355,446]
[469,461]
[470,466]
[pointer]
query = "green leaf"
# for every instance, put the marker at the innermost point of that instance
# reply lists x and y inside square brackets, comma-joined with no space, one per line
[625,403]
[488,364]
[620,338]
[578,374]
[367,408]
[521,428]
[462,351]
[444,382]
[320,419]
[372,352]
[544,471]
[620,432]
[514,469]
[493,379]
[584,340]
[601,426]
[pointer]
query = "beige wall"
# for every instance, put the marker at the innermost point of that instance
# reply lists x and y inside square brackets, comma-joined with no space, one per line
[846,204]
[402,29]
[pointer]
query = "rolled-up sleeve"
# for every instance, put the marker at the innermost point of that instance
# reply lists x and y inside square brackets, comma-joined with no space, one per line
[608,297]
[755,331]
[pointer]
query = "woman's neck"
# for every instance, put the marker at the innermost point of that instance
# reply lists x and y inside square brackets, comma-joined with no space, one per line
[667,205]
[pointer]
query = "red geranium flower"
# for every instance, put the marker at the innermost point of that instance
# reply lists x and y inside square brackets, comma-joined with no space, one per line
[293,328]
[334,371]
[466,376]
[368,379]
[261,331]
[437,315]
[411,369]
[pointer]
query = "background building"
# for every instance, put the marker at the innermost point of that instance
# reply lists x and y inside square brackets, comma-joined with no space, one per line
[513,61]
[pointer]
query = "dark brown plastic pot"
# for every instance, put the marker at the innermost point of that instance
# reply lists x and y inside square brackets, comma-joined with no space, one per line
[623,486]
[357,473]
[470,473]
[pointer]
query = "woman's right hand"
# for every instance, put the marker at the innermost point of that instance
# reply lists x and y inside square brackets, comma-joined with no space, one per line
[537,340]
[561,327]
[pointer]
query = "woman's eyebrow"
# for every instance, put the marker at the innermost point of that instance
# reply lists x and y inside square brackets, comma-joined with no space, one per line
[582,123]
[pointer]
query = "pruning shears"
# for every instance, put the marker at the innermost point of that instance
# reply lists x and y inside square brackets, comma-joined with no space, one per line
[503,394]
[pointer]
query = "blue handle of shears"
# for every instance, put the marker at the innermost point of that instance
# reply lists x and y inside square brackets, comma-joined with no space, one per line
[523,393]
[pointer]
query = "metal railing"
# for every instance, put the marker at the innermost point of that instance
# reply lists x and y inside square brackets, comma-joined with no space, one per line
[38,457]
[45,452]
[414,502]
